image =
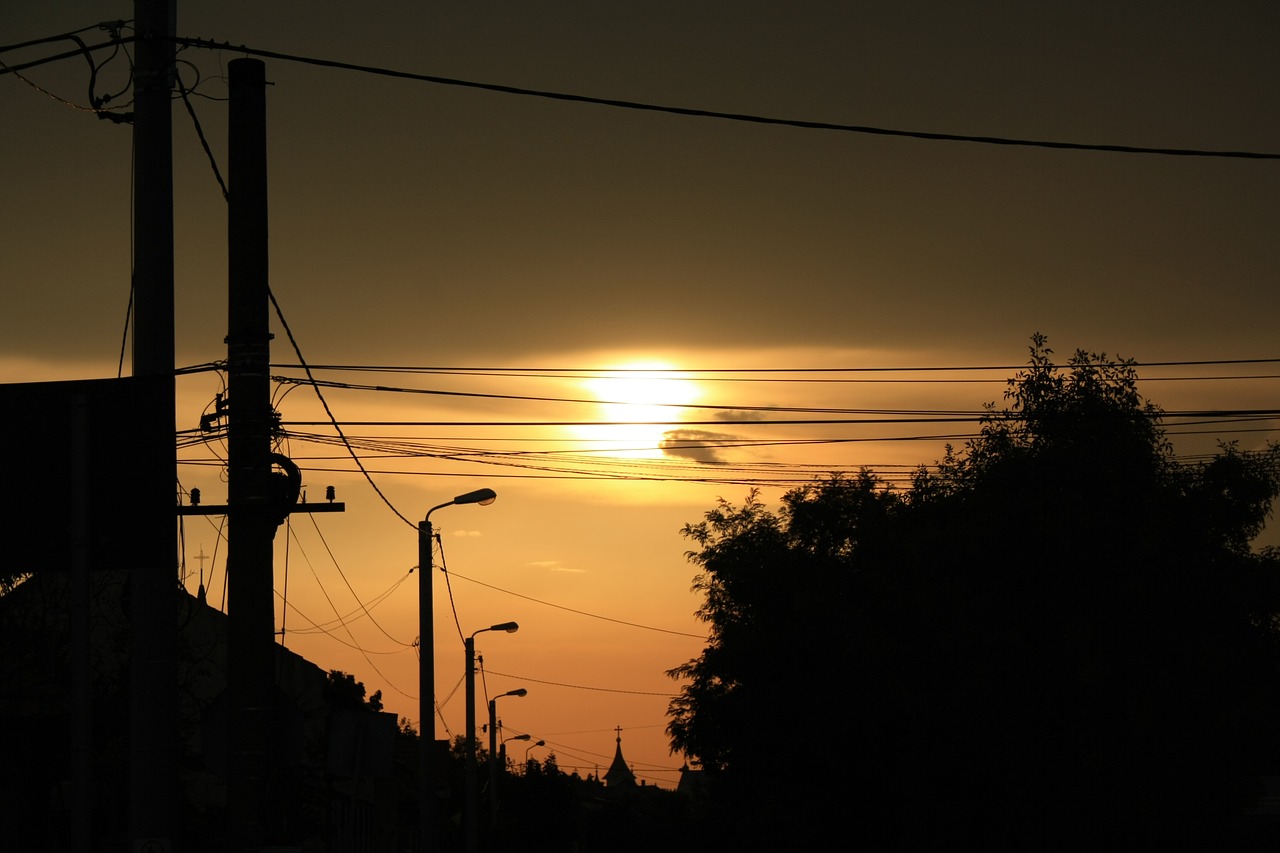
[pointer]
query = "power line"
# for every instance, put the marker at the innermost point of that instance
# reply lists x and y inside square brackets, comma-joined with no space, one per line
[352,616]
[331,635]
[607,372]
[110,26]
[581,612]
[348,386]
[346,626]
[204,142]
[670,695]
[97,103]
[932,136]
[737,117]
[333,421]
[922,418]
[364,609]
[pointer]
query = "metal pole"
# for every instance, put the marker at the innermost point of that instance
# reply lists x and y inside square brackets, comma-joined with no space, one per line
[493,765]
[469,801]
[426,691]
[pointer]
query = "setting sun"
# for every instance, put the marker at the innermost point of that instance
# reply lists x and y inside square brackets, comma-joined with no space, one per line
[637,405]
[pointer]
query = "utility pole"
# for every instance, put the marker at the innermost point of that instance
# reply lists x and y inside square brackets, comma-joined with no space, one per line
[80,632]
[471,835]
[258,499]
[426,691]
[253,514]
[153,731]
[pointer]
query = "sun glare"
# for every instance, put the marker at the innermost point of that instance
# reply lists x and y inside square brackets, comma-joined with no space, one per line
[638,404]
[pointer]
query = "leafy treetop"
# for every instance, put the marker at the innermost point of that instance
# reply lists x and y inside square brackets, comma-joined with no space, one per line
[1058,636]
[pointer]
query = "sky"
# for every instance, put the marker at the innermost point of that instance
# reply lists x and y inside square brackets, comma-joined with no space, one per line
[528,247]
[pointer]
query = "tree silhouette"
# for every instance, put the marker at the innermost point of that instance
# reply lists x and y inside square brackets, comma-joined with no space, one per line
[344,691]
[1059,637]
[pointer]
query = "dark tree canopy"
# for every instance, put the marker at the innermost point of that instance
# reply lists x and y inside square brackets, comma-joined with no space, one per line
[1059,636]
[344,691]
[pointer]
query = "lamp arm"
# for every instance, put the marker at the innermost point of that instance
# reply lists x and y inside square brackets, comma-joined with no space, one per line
[427,519]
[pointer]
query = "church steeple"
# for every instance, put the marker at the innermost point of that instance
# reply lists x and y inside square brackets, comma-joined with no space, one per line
[619,774]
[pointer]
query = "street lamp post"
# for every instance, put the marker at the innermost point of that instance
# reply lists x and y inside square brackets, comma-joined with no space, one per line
[493,754]
[427,669]
[529,749]
[502,747]
[472,838]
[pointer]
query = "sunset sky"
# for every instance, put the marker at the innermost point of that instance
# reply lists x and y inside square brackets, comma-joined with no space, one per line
[539,258]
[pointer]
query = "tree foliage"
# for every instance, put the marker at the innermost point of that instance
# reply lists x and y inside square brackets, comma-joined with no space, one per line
[344,691]
[1058,635]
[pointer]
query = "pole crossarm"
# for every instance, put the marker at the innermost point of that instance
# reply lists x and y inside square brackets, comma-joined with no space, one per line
[222,509]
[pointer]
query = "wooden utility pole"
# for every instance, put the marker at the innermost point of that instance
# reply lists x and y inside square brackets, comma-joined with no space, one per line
[153,729]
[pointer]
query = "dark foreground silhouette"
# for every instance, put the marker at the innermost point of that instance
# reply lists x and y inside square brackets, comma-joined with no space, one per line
[1058,639]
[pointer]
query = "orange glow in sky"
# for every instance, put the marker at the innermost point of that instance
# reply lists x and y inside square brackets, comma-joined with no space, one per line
[636,404]
[532,276]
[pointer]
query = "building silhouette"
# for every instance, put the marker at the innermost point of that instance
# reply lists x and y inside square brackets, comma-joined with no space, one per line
[619,775]
[332,785]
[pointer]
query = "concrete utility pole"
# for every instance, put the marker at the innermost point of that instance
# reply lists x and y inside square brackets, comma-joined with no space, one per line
[153,732]
[427,830]
[80,697]
[470,785]
[426,690]
[258,499]
[253,513]
[471,796]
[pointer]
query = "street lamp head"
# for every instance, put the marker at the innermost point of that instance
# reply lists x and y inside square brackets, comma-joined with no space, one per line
[509,627]
[519,691]
[521,737]
[484,497]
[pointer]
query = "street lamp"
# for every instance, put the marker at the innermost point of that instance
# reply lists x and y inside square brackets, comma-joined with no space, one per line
[529,749]
[427,668]
[502,748]
[493,754]
[469,801]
